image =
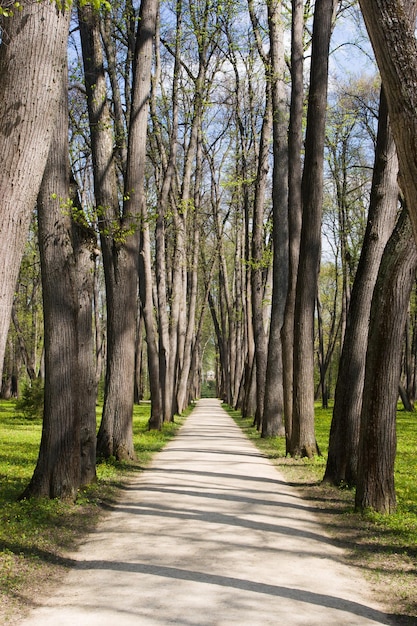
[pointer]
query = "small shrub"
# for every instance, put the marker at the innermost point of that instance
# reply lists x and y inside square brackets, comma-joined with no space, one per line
[30,404]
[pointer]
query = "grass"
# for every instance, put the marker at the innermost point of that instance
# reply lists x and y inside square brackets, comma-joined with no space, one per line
[383,546]
[36,534]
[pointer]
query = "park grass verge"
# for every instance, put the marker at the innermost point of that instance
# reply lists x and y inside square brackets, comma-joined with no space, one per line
[36,535]
[384,547]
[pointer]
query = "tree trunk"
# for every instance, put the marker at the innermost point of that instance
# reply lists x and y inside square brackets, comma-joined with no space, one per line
[303,440]
[27,360]
[119,236]
[58,470]
[257,262]
[32,61]
[377,447]
[344,433]
[133,210]
[294,207]
[145,288]
[116,404]
[85,252]
[168,167]
[272,419]
[391,28]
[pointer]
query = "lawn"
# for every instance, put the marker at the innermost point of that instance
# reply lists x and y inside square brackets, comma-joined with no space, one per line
[35,534]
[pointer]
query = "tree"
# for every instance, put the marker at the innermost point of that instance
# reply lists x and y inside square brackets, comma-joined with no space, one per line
[32,61]
[58,469]
[134,200]
[344,434]
[272,419]
[84,245]
[119,226]
[107,209]
[295,136]
[391,28]
[377,445]
[303,438]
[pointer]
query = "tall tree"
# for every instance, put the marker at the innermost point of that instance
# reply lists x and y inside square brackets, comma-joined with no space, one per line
[377,446]
[84,245]
[303,440]
[119,227]
[134,200]
[295,135]
[272,419]
[107,208]
[391,28]
[257,260]
[58,470]
[32,61]
[344,434]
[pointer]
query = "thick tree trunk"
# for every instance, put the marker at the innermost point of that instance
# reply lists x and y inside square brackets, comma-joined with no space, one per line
[133,210]
[391,28]
[294,207]
[344,433]
[119,236]
[377,448]
[58,470]
[116,403]
[32,61]
[273,414]
[303,440]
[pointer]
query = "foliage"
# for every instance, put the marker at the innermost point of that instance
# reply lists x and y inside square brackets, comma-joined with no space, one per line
[30,403]
[8,8]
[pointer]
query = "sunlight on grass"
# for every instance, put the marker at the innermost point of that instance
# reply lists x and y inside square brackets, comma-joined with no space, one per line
[35,532]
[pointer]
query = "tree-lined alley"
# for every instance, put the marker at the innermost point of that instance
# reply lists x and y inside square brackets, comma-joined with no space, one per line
[212,148]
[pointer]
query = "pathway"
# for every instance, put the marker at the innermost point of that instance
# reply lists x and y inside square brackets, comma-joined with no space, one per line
[210,535]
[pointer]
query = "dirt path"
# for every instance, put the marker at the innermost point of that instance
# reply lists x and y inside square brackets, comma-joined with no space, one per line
[210,535]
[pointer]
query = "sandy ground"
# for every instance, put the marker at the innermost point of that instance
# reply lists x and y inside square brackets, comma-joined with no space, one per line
[210,535]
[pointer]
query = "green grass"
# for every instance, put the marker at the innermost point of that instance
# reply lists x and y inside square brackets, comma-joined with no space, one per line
[35,533]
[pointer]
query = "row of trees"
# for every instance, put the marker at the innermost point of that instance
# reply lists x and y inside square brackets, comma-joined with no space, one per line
[194,176]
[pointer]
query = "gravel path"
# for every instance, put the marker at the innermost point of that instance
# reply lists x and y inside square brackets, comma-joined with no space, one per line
[210,535]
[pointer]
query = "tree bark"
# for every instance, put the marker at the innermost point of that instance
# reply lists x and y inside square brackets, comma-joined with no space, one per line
[258,260]
[344,433]
[58,470]
[294,208]
[273,414]
[377,446]
[85,253]
[32,62]
[303,440]
[391,28]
